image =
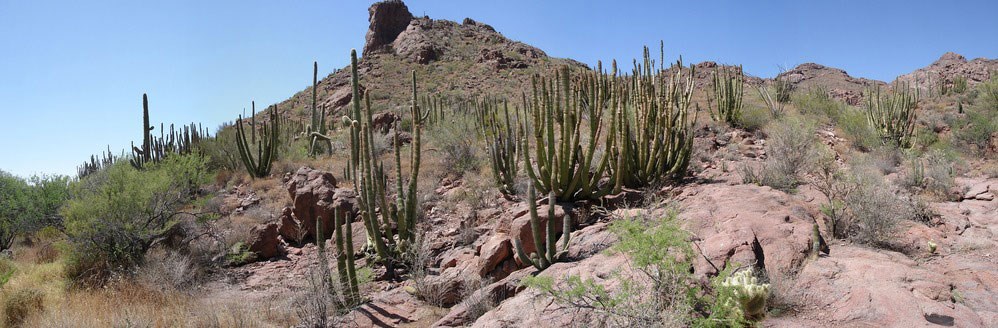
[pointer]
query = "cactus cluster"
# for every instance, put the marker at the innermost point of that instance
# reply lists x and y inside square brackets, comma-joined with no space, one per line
[178,141]
[577,130]
[653,131]
[726,103]
[568,123]
[502,141]
[345,267]
[95,164]
[545,240]
[391,232]
[258,165]
[749,294]
[892,115]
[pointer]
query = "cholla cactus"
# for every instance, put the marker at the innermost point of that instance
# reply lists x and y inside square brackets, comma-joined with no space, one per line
[749,293]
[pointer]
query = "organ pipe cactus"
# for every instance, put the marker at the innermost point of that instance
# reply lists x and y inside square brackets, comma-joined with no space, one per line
[727,97]
[893,115]
[567,127]
[547,251]
[345,257]
[654,133]
[499,130]
[391,231]
[259,165]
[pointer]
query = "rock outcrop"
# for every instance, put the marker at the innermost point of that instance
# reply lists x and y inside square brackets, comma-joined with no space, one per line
[947,68]
[315,196]
[840,85]
[388,19]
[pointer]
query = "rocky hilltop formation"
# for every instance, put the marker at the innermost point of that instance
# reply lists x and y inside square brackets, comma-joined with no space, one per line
[457,60]
[949,67]
[839,84]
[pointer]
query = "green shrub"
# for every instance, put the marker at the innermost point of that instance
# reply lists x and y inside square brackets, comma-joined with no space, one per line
[221,150]
[856,128]
[817,103]
[21,304]
[974,133]
[115,216]
[753,118]
[29,205]
[667,296]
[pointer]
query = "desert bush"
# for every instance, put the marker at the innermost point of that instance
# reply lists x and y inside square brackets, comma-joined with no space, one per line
[974,133]
[874,211]
[221,150]
[313,301]
[933,173]
[476,303]
[662,294]
[791,152]
[168,271]
[987,95]
[21,304]
[817,103]
[456,143]
[854,125]
[112,219]
[27,205]
[753,118]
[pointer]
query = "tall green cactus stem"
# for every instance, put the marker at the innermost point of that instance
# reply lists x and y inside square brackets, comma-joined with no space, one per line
[565,149]
[402,213]
[318,127]
[345,258]
[654,142]
[501,141]
[259,165]
[728,88]
[547,250]
[406,199]
[142,156]
[893,115]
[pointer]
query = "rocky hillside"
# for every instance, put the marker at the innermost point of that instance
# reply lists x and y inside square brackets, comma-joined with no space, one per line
[474,278]
[453,59]
[949,67]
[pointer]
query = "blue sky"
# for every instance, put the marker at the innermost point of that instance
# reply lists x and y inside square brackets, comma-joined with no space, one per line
[73,72]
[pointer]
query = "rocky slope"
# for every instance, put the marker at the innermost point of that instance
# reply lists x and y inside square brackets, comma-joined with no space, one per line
[458,60]
[948,67]
[471,255]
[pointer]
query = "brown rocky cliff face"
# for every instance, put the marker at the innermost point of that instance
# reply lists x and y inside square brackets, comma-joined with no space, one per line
[388,19]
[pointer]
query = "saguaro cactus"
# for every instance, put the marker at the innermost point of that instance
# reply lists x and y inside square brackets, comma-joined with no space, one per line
[317,131]
[547,251]
[893,115]
[266,148]
[142,156]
